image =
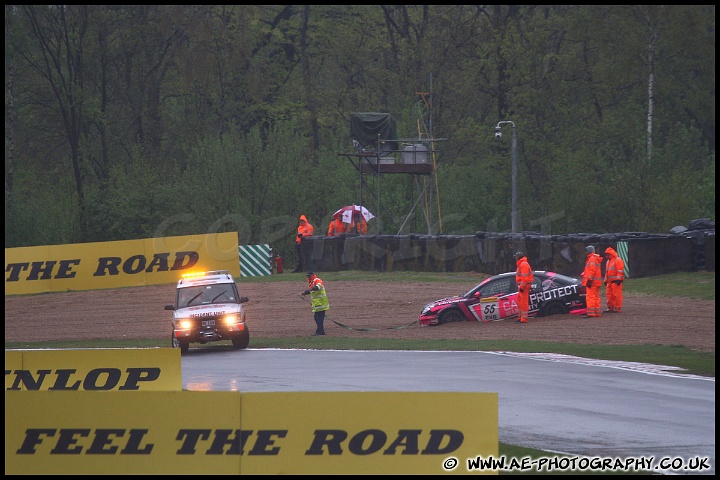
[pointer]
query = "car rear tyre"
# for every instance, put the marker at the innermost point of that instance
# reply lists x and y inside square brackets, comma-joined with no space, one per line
[450,316]
[241,341]
[554,308]
[183,346]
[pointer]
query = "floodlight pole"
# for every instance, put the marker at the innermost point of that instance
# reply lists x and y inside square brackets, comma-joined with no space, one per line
[514,215]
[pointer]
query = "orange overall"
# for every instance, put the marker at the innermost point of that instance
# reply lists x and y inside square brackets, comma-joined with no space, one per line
[335,228]
[358,225]
[524,278]
[305,229]
[614,277]
[592,277]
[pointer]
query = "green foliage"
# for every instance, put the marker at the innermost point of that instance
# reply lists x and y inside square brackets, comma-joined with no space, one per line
[193,119]
[30,223]
[135,204]
[42,213]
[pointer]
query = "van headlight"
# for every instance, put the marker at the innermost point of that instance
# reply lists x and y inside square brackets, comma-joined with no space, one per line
[231,319]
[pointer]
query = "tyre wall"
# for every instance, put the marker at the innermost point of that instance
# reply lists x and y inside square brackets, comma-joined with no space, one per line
[709,253]
[492,253]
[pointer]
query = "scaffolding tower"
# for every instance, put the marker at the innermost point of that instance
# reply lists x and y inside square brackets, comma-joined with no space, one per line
[415,157]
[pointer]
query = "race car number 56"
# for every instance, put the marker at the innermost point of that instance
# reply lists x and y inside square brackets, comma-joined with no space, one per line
[490,312]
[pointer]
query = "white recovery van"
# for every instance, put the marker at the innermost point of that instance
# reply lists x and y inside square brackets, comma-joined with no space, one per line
[208,308]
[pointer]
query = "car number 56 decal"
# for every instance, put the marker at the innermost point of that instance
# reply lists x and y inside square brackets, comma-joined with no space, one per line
[492,309]
[487,310]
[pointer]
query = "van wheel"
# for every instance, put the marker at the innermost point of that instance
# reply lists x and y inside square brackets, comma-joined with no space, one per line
[241,341]
[183,346]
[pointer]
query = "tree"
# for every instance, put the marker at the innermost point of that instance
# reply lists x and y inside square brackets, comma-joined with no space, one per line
[121,118]
[60,33]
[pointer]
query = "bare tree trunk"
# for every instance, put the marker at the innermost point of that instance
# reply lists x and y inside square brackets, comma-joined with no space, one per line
[653,29]
[307,80]
[10,126]
[104,162]
[652,46]
[500,22]
[63,30]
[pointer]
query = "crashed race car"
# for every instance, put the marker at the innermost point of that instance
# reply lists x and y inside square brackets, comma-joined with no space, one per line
[495,299]
[208,308]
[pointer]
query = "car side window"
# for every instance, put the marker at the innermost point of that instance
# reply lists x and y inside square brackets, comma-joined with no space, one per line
[499,287]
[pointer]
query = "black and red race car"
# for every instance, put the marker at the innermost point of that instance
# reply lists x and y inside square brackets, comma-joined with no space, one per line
[495,299]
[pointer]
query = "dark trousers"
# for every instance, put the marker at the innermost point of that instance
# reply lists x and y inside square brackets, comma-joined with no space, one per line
[319,320]
[299,267]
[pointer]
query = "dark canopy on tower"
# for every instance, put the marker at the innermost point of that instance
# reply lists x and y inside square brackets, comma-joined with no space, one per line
[366,127]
